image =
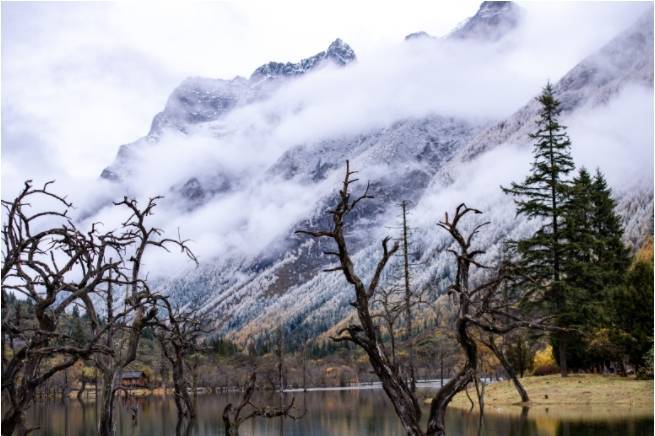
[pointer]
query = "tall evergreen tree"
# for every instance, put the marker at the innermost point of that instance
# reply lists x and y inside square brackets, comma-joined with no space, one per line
[594,261]
[543,196]
[612,254]
[581,280]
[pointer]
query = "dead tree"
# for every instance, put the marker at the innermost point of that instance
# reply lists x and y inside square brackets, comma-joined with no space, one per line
[52,266]
[392,308]
[279,355]
[490,342]
[365,334]
[471,311]
[408,301]
[139,300]
[179,336]
[233,416]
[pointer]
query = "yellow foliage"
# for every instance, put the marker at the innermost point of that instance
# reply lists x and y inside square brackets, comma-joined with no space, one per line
[89,372]
[645,253]
[544,359]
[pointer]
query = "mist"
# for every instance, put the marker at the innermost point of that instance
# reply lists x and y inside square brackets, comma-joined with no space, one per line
[478,82]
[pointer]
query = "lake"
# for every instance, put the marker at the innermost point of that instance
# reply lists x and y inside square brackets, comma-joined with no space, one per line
[345,413]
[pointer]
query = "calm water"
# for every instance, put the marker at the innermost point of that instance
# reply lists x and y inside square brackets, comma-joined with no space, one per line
[344,413]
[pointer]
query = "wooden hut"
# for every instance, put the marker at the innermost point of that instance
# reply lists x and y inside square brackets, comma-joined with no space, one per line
[134,379]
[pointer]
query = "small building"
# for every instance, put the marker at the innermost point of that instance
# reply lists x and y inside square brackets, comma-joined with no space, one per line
[134,379]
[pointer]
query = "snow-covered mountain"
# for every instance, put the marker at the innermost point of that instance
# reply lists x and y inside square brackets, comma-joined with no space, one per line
[200,100]
[491,22]
[431,160]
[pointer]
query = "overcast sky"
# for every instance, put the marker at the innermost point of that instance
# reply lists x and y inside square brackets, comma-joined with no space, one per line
[79,79]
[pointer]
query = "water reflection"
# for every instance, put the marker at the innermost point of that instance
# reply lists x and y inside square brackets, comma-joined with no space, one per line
[365,412]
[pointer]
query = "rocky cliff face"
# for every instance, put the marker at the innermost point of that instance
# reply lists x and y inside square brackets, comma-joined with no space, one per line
[493,20]
[201,100]
[338,52]
[419,159]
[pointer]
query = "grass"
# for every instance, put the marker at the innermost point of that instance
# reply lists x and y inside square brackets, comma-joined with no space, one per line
[579,395]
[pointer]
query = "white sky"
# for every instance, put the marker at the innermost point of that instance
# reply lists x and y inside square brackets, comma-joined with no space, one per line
[79,79]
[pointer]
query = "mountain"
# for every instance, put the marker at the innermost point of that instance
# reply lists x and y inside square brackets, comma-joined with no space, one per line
[200,100]
[425,160]
[338,52]
[492,21]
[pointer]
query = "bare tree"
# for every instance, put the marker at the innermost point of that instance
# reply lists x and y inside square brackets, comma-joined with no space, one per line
[179,336]
[475,310]
[52,266]
[490,342]
[392,308]
[408,300]
[141,302]
[366,334]
[233,416]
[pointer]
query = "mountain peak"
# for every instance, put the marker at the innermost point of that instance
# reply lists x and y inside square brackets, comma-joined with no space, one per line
[418,35]
[338,52]
[492,21]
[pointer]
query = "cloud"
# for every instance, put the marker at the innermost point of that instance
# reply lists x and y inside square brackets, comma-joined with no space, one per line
[80,79]
[617,137]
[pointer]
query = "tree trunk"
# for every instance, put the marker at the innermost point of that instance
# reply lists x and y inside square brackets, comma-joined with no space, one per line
[12,421]
[563,367]
[408,302]
[437,420]
[22,396]
[185,406]
[82,389]
[106,425]
[230,430]
[509,370]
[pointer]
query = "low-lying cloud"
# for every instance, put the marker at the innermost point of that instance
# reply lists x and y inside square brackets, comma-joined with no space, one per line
[479,82]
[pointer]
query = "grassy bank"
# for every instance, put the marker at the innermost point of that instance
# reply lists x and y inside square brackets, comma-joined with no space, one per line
[579,395]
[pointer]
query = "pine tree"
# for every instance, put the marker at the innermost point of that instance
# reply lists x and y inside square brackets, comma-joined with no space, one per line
[543,196]
[595,262]
[611,253]
[581,285]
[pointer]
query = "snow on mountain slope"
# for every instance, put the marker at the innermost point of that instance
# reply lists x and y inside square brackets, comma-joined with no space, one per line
[492,21]
[200,100]
[250,182]
[628,58]
[493,156]
[338,52]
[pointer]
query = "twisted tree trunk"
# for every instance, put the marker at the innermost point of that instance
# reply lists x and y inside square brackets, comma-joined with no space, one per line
[509,369]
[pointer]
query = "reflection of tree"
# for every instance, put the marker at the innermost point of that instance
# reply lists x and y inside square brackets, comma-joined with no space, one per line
[246,409]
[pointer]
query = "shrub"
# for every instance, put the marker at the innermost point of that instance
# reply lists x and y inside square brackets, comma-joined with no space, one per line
[544,362]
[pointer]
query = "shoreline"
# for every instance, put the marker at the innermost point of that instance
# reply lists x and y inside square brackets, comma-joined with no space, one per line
[579,396]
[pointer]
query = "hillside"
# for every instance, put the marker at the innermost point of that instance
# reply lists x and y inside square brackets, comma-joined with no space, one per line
[264,276]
